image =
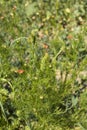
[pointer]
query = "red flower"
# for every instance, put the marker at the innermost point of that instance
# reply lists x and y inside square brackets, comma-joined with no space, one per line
[20,71]
[69,37]
[45,46]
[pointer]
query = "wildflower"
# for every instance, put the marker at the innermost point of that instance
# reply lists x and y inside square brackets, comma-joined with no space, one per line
[41,97]
[20,71]
[67,10]
[45,46]
[69,37]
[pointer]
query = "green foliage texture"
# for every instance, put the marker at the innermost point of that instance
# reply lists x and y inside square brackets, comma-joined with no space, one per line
[43,65]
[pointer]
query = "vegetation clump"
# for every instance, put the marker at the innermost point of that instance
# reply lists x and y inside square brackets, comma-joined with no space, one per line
[43,63]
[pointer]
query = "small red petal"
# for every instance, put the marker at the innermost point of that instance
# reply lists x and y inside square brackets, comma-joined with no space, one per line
[20,71]
[45,46]
[70,37]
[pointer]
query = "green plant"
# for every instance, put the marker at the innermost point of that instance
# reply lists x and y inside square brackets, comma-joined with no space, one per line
[43,63]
